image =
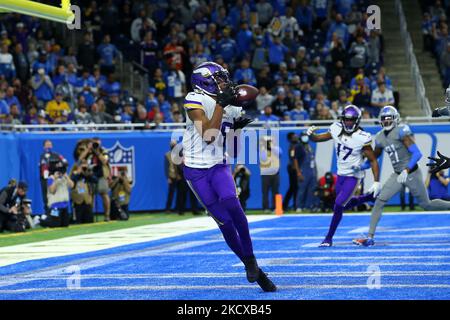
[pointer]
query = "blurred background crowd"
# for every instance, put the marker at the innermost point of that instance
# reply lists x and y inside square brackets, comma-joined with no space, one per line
[308,58]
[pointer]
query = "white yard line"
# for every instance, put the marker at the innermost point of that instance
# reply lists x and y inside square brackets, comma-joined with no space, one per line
[221,287]
[110,239]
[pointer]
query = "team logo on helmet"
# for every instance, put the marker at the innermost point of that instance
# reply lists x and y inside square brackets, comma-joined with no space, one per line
[350,118]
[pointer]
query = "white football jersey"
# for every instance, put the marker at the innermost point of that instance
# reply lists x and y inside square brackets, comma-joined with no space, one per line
[349,149]
[197,153]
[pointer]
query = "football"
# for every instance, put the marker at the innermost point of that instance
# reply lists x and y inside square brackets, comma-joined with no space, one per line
[246,94]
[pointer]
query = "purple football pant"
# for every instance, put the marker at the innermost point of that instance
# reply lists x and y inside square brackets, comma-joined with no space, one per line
[345,188]
[216,191]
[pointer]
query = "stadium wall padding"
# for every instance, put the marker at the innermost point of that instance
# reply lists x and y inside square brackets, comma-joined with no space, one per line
[144,152]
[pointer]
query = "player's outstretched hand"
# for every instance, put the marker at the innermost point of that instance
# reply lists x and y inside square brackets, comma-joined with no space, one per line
[375,189]
[227,96]
[402,176]
[241,122]
[439,164]
[311,130]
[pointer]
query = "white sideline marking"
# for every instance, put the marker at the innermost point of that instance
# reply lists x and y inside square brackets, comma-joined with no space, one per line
[207,275]
[366,229]
[105,240]
[222,287]
[434,235]
[350,264]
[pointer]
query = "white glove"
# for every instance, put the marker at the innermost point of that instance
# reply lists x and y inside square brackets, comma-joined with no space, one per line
[402,176]
[375,189]
[311,130]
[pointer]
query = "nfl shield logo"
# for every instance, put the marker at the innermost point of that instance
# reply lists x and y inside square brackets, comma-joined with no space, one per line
[122,158]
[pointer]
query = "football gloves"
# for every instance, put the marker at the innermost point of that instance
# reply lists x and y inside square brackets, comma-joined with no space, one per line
[241,123]
[402,176]
[311,130]
[227,96]
[439,164]
[375,189]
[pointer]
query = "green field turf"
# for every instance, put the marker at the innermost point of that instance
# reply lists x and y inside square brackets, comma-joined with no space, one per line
[138,219]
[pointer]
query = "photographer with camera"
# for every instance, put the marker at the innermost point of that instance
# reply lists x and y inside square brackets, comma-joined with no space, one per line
[97,158]
[326,191]
[15,210]
[121,191]
[59,184]
[44,163]
[82,193]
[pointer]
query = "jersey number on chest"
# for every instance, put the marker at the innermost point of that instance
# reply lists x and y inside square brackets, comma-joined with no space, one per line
[392,152]
[344,151]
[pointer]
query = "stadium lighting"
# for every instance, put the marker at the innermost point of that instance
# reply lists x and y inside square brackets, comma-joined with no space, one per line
[61,14]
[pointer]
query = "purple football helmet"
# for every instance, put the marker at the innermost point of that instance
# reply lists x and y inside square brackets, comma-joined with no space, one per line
[350,118]
[207,76]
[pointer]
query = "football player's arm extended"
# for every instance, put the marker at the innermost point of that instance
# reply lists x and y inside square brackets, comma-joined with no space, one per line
[209,129]
[372,159]
[321,137]
[416,155]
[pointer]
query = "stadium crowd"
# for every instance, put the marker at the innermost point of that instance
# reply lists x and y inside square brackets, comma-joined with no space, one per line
[436,39]
[308,58]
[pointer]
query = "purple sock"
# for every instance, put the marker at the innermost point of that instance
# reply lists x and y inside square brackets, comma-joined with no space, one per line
[236,213]
[337,216]
[227,228]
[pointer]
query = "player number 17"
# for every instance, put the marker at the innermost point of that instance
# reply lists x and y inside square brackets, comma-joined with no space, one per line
[345,148]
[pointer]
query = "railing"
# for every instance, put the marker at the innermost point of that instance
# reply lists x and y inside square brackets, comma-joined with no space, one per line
[92,127]
[411,58]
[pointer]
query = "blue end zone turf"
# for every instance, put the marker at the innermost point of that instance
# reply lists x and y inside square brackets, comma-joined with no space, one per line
[410,260]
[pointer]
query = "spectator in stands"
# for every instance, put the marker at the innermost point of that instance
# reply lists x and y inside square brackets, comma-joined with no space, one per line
[174,53]
[175,83]
[381,97]
[374,48]
[55,107]
[427,30]
[359,53]
[268,116]
[158,82]
[42,87]
[21,63]
[87,54]
[98,116]
[437,185]
[363,98]
[7,68]
[245,75]
[111,86]
[149,53]
[108,54]
[320,86]
[333,93]
[299,113]
[277,51]
[82,116]
[264,11]
[244,39]
[340,28]
[86,87]
[316,69]
[260,54]
[281,104]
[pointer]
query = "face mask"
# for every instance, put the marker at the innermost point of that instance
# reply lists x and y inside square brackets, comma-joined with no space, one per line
[305,139]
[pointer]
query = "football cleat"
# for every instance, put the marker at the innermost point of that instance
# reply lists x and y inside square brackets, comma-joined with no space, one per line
[252,269]
[265,283]
[326,243]
[366,242]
